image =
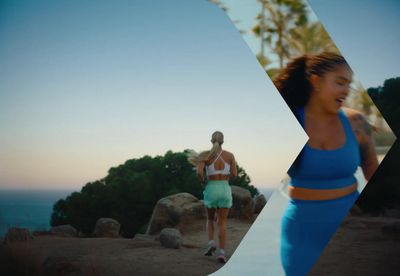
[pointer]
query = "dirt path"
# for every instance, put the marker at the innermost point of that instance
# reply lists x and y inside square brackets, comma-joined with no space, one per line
[50,255]
[360,247]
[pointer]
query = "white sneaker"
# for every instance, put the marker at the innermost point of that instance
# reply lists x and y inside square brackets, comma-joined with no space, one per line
[210,250]
[221,257]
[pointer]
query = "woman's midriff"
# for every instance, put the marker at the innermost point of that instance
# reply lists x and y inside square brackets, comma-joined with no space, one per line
[320,194]
[218,177]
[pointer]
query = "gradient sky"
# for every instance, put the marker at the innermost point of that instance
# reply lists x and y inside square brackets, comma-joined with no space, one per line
[86,85]
[367,34]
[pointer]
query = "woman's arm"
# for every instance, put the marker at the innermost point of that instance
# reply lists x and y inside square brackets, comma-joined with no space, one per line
[234,171]
[363,131]
[200,171]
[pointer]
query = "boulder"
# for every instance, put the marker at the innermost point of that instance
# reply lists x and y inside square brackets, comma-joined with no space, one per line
[242,204]
[259,203]
[64,231]
[107,228]
[170,238]
[16,234]
[178,211]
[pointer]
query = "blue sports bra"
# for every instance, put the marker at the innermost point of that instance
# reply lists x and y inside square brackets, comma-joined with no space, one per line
[327,169]
[210,169]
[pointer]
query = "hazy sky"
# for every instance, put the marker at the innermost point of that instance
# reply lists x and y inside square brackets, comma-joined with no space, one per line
[367,34]
[86,85]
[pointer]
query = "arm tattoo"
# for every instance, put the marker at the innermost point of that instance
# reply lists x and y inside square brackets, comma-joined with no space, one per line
[361,125]
[366,126]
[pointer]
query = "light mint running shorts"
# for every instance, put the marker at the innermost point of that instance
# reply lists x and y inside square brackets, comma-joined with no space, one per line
[218,194]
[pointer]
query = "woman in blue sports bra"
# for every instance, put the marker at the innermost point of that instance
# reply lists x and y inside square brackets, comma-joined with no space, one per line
[322,187]
[220,165]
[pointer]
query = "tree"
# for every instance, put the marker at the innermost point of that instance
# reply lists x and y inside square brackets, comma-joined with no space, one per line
[130,191]
[383,190]
[310,38]
[275,28]
[387,99]
[243,180]
[359,99]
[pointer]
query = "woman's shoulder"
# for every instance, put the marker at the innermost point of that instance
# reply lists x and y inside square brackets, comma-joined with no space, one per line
[351,113]
[354,116]
[228,154]
[358,121]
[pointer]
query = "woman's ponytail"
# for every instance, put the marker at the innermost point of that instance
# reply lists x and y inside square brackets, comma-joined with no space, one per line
[293,83]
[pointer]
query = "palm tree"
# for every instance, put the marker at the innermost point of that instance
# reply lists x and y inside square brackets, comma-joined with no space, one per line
[310,38]
[274,27]
[359,99]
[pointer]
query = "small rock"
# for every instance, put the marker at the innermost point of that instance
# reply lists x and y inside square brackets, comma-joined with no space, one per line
[16,234]
[354,224]
[64,231]
[107,228]
[170,238]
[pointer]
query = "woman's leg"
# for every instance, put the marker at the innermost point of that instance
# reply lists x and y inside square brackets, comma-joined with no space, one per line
[222,214]
[210,232]
[210,223]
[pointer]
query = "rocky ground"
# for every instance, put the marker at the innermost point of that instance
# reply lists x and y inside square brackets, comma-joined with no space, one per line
[174,244]
[365,245]
[143,255]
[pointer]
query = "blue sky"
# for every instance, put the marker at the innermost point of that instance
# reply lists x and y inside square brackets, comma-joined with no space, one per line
[365,31]
[86,85]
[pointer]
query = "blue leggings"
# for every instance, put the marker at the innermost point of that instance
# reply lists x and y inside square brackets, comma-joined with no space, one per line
[307,226]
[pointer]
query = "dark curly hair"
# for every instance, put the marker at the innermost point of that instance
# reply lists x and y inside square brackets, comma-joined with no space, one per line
[293,81]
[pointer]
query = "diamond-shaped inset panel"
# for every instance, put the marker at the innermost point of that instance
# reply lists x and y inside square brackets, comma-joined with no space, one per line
[367,34]
[277,32]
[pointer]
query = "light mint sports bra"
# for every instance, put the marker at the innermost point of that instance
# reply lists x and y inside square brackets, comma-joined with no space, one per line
[210,169]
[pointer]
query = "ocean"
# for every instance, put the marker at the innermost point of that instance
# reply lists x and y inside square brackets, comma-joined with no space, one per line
[32,209]
[28,208]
